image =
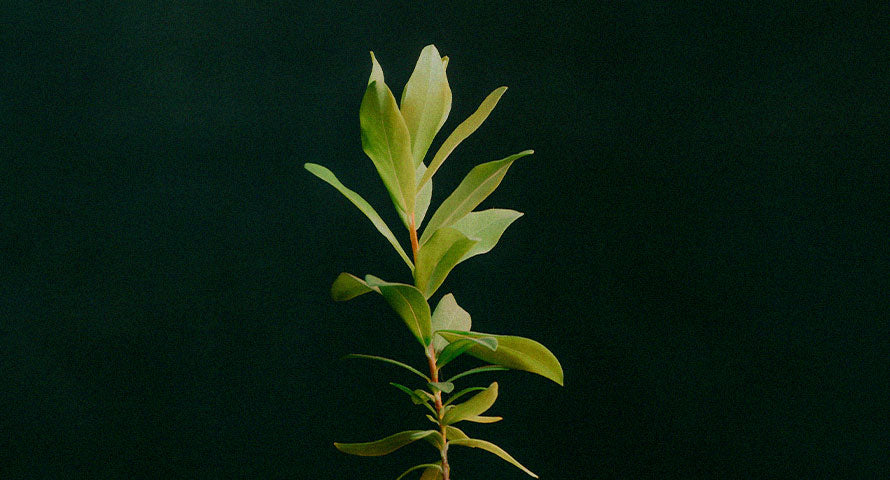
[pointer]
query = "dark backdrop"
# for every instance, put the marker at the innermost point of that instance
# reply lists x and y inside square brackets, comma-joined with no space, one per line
[700,248]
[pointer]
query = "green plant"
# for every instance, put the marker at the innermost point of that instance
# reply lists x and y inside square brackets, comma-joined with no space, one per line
[396,137]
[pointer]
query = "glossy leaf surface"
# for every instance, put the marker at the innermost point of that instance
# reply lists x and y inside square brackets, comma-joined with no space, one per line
[437,257]
[386,140]
[487,226]
[409,303]
[426,101]
[490,447]
[365,207]
[476,405]
[464,130]
[473,189]
[518,353]
[448,316]
[386,445]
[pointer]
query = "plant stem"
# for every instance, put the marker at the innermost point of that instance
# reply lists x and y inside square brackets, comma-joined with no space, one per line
[413,231]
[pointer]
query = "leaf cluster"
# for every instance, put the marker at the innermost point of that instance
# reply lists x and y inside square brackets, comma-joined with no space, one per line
[397,136]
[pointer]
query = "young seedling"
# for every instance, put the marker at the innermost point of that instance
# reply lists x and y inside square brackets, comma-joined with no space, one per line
[396,137]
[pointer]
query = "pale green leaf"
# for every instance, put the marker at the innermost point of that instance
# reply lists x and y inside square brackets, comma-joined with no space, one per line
[444,387]
[389,361]
[421,202]
[348,286]
[409,303]
[448,316]
[487,226]
[483,419]
[426,101]
[472,371]
[476,405]
[415,398]
[490,447]
[366,208]
[386,445]
[473,189]
[462,131]
[458,347]
[386,140]
[432,473]
[517,353]
[462,393]
[437,257]
[429,466]
[454,433]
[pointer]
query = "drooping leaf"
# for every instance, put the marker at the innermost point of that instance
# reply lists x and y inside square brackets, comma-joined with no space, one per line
[386,140]
[415,398]
[483,419]
[437,257]
[389,361]
[444,387]
[487,226]
[347,287]
[428,466]
[490,447]
[458,347]
[409,303]
[472,371]
[448,316]
[426,101]
[366,208]
[473,189]
[386,445]
[462,393]
[462,131]
[432,473]
[476,405]
[517,353]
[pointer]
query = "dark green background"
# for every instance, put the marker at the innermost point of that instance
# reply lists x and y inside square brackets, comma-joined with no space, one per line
[700,248]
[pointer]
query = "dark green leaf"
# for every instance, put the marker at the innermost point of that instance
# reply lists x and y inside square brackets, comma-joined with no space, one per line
[448,316]
[462,131]
[390,361]
[437,257]
[426,101]
[487,368]
[409,303]
[487,226]
[517,353]
[488,446]
[386,140]
[366,208]
[475,187]
[385,445]
[476,405]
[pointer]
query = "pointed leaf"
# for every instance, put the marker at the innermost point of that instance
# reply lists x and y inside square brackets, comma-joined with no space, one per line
[390,361]
[458,347]
[517,353]
[444,387]
[384,445]
[415,398]
[482,419]
[428,466]
[454,433]
[490,447]
[487,226]
[426,101]
[448,316]
[476,405]
[462,393]
[386,140]
[347,287]
[366,208]
[432,474]
[409,303]
[487,368]
[473,189]
[462,131]
[437,257]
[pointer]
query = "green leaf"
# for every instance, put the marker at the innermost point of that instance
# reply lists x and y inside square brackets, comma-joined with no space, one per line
[432,473]
[390,361]
[444,387]
[366,208]
[386,445]
[454,433]
[428,466]
[347,287]
[437,257]
[490,447]
[487,226]
[487,368]
[448,316]
[482,419]
[386,140]
[415,398]
[476,405]
[421,202]
[517,353]
[462,131]
[473,189]
[426,101]
[409,303]
[462,393]
[458,347]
